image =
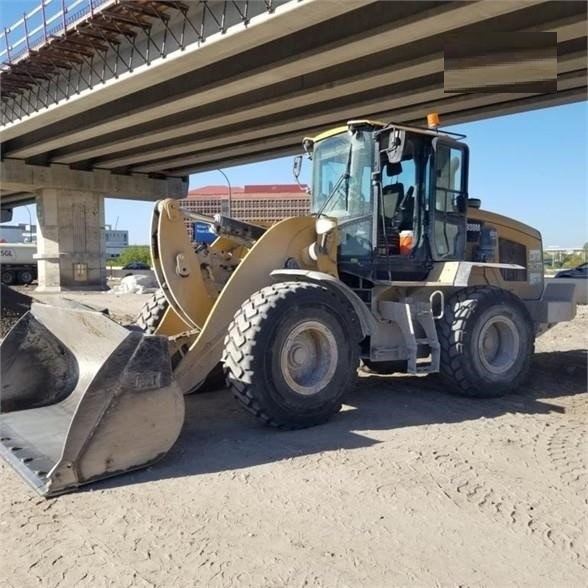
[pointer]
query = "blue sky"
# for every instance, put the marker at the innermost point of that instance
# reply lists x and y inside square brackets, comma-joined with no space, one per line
[531,166]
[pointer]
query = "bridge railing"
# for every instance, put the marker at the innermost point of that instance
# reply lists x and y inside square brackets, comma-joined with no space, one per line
[38,26]
[64,47]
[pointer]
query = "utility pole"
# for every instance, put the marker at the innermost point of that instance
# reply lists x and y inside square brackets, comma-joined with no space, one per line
[230,194]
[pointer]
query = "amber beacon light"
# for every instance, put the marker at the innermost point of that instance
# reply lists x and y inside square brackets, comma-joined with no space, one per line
[433,120]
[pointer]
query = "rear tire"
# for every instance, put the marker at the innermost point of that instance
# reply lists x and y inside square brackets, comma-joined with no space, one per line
[487,342]
[291,353]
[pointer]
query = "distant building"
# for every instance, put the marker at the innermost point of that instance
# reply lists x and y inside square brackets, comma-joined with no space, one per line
[261,204]
[555,255]
[564,250]
[115,241]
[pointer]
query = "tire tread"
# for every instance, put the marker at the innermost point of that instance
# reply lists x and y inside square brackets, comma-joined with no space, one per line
[241,343]
[451,330]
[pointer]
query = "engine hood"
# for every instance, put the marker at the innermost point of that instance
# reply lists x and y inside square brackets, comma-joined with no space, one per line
[502,221]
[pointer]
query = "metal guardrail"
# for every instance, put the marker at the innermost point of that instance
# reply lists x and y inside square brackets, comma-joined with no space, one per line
[20,39]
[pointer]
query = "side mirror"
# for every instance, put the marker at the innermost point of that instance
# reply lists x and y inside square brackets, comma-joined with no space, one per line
[297,166]
[395,148]
[460,203]
[6,215]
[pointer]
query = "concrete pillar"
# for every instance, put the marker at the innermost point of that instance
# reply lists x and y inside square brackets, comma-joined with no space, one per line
[70,240]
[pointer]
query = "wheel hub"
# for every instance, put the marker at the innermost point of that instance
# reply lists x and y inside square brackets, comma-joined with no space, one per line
[308,358]
[498,344]
[298,355]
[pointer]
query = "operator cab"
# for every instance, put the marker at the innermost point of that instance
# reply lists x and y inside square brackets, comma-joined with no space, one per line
[399,194]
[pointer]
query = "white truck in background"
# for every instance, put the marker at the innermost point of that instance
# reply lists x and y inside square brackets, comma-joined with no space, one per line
[17,263]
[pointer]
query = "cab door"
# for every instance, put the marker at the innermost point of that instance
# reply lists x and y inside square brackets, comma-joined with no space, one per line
[448,199]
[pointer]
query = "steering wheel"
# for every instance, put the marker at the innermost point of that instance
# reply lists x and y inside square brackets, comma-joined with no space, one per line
[361,241]
[355,220]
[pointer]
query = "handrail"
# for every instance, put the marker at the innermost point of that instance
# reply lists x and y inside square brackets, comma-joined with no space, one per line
[49,26]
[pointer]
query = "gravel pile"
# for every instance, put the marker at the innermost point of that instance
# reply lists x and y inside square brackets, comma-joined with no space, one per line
[13,305]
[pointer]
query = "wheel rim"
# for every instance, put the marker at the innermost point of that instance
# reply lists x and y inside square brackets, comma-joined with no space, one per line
[309,356]
[498,345]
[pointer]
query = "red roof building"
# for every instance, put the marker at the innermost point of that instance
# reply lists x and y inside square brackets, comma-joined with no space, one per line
[263,203]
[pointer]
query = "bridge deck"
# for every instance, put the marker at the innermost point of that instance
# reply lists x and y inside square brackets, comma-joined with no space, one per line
[170,88]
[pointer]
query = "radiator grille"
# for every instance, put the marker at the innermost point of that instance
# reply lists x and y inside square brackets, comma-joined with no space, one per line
[511,252]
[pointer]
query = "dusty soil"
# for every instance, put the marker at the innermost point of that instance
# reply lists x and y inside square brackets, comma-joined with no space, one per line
[13,304]
[407,486]
[16,300]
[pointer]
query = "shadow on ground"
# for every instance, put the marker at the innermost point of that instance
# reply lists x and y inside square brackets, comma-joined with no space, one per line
[219,436]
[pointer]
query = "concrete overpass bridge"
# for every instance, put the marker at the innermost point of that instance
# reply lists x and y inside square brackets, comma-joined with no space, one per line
[125,99]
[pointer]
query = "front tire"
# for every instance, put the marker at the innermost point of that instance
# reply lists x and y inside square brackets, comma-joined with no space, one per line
[291,353]
[487,342]
[152,312]
[149,320]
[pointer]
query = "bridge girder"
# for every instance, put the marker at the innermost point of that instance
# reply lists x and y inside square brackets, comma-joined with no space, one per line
[250,94]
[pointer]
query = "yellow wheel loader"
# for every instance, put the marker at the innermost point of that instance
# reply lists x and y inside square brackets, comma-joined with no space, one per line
[395,267]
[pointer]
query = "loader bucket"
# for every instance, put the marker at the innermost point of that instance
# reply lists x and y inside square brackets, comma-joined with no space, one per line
[84,398]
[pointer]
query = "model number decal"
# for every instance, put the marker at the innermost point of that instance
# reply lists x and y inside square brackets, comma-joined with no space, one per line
[6,252]
[535,255]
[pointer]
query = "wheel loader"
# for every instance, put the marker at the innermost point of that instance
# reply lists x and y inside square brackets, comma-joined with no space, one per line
[395,267]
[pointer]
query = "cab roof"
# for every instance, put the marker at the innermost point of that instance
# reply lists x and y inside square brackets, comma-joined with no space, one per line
[344,128]
[380,126]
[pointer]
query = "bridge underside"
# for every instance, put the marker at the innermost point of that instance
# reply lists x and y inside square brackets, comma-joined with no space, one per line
[254,91]
[70,213]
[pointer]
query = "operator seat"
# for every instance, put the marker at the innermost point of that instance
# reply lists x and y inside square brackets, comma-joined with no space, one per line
[392,197]
[406,211]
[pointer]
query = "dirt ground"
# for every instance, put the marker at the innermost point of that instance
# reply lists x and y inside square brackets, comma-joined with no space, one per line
[407,486]
[15,301]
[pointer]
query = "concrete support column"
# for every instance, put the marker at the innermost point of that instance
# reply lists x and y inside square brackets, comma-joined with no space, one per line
[70,240]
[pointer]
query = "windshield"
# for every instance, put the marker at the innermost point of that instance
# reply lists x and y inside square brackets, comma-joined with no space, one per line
[342,172]
[341,187]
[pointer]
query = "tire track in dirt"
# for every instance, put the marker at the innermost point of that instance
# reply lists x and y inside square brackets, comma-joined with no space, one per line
[51,547]
[567,448]
[525,512]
